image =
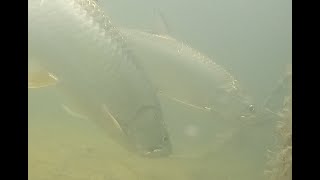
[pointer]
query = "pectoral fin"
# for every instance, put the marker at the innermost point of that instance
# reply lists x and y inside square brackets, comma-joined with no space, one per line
[73,113]
[105,109]
[41,78]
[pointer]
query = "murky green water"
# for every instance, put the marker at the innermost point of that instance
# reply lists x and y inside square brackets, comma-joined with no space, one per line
[252,39]
[65,147]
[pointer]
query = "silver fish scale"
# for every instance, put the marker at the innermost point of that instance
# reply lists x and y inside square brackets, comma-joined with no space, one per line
[226,82]
[106,40]
[115,42]
[222,76]
[230,83]
[118,41]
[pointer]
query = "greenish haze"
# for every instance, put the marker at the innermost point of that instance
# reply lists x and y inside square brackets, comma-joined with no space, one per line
[250,38]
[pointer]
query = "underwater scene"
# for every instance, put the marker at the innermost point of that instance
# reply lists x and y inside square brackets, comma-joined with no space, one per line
[159,90]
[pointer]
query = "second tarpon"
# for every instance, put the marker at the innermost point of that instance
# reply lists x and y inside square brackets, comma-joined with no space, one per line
[188,77]
[87,58]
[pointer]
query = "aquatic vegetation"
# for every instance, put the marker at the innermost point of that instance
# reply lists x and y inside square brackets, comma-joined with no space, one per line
[280,163]
[280,159]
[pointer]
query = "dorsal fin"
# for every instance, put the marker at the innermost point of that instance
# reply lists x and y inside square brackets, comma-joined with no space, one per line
[160,23]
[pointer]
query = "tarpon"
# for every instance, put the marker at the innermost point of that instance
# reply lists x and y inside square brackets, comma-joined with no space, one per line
[188,77]
[87,58]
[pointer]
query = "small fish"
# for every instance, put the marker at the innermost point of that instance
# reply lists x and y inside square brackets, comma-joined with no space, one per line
[87,58]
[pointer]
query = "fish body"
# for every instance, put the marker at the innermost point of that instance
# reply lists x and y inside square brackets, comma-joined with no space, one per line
[76,41]
[188,77]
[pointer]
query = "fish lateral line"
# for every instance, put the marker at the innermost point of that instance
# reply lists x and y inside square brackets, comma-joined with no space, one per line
[205,108]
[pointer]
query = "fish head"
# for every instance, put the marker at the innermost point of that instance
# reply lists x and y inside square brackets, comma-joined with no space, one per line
[148,133]
[246,112]
[236,107]
[242,111]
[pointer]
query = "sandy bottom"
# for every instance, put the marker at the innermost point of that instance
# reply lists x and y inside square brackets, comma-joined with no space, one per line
[64,147]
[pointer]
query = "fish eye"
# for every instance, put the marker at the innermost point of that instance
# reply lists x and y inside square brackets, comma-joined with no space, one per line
[251,108]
